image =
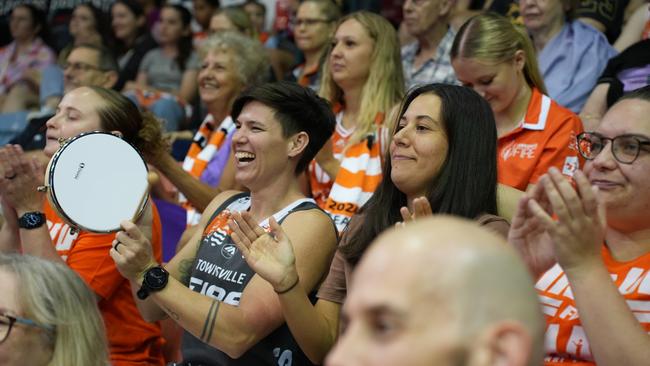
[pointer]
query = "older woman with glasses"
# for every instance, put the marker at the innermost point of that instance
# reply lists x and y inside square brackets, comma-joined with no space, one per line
[593,261]
[47,316]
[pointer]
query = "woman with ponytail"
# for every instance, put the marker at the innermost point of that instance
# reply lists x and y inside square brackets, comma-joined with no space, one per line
[132,341]
[497,59]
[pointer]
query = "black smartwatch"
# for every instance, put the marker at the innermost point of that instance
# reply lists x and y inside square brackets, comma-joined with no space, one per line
[155,279]
[31,220]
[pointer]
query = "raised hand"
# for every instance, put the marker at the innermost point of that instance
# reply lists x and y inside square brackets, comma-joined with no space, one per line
[19,179]
[529,236]
[270,255]
[132,252]
[421,208]
[578,233]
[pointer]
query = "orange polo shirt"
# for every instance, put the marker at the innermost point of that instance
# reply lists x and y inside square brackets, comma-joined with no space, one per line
[566,342]
[546,138]
[132,340]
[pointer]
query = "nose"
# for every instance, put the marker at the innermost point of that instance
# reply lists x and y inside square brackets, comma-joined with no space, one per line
[605,159]
[52,122]
[403,136]
[345,352]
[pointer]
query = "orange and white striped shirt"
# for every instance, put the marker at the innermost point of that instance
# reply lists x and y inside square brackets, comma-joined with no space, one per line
[566,341]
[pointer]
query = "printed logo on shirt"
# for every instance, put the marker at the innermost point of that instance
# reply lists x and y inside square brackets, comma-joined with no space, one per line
[570,165]
[62,236]
[565,337]
[285,358]
[521,151]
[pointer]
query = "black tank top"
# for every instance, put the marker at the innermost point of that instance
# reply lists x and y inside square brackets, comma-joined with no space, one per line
[220,272]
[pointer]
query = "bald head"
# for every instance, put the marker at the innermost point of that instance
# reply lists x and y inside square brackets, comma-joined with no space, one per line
[450,290]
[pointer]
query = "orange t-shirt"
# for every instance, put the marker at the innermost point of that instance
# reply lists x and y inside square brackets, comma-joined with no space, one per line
[132,340]
[546,138]
[320,182]
[566,342]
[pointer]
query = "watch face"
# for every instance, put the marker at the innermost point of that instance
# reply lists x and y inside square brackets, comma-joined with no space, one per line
[31,220]
[156,278]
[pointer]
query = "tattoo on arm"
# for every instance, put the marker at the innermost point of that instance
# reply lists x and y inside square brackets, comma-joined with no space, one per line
[185,270]
[210,320]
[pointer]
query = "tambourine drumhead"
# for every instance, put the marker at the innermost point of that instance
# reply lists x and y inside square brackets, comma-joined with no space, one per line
[96,180]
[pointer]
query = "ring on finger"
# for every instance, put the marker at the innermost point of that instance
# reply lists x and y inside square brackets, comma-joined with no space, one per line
[116,245]
[10,176]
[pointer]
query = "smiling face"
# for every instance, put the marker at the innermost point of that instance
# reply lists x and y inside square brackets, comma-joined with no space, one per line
[498,83]
[125,24]
[419,147]
[18,348]
[76,113]
[313,29]
[624,187]
[261,151]
[350,58]
[218,79]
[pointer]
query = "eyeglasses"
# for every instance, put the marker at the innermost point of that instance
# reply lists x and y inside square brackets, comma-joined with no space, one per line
[80,66]
[625,148]
[309,22]
[7,322]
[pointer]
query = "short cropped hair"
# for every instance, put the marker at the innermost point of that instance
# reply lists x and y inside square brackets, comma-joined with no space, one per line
[106,59]
[297,109]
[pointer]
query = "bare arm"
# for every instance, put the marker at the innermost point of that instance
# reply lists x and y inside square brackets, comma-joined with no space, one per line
[507,200]
[198,193]
[633,29]
[577,237]
[234,329]
[314,327]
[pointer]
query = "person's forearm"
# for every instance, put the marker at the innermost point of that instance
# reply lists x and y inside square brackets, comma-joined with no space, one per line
[314,333]
[37,242]
[331,167]
[218,324]
[603,313]
[9,239]
[197,193]
[149,310]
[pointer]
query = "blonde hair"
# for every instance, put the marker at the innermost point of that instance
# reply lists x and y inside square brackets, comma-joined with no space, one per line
[384,87]
[52,295]
[493,38]
[249,56]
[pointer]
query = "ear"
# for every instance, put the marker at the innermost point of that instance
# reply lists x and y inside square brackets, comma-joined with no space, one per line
[297,144]
[446,6]
[110,78]
[506,343]
[520,60]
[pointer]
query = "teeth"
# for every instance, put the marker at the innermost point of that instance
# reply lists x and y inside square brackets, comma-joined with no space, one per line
[243,155]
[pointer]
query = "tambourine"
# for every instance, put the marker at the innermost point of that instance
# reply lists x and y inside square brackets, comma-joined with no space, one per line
[95,180]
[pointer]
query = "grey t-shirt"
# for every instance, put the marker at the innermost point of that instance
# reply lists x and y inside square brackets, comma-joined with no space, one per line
[163,72]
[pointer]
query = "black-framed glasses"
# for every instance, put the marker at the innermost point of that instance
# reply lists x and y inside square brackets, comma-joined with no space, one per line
[625,148]
[309,22]
[7,322]
[80,66]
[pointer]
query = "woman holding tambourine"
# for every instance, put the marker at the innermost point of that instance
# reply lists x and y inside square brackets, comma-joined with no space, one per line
[86,183]
[231,315]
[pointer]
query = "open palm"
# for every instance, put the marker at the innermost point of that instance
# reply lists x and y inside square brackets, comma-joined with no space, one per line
[270,255]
